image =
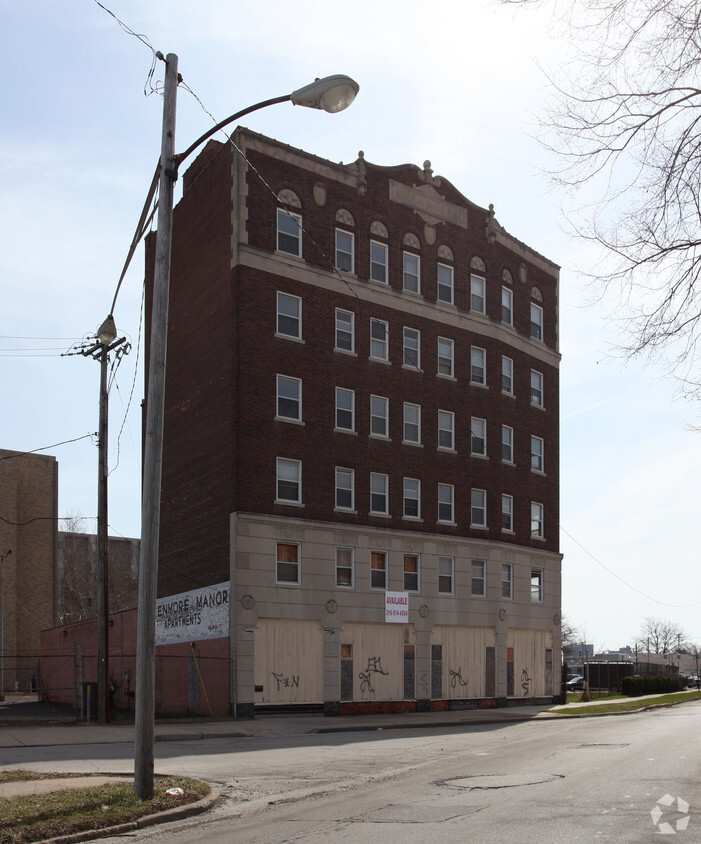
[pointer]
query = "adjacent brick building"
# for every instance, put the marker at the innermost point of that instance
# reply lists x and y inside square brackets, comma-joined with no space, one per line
[361,414]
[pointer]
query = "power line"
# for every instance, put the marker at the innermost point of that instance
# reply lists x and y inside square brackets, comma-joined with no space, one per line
[46,447]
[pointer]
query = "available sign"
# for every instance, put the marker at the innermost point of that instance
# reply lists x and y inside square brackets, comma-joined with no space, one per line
[192,616]
[397,607]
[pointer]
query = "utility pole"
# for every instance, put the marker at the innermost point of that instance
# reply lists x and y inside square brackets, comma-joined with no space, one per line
[153,449]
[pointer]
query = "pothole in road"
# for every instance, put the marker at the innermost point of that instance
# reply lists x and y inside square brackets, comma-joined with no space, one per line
[599,746]
[499,780]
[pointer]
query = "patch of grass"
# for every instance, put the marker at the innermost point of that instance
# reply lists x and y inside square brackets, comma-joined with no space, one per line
[36,817]
[628,704]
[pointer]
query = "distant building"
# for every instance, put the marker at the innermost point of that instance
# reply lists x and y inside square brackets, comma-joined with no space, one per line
[361,434]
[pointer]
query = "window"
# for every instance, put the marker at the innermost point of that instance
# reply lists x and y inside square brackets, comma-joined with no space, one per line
[507,513]
[507,376]
[411,274]
[446,429]
[378,570]
[412,498]
[411,573]
[478,437]
[477,299]
[345,559]
[345,330]
[378,493]
[445,356]
[345,243]
[287,565]
[345,489]
[507,581]
[446,494]
[412,348]
[446,567]
[289,232]
[536,586]
[345,409]
[412,423]
[537,454]
[378,262]
[507,306]
[445,284]
[379,339]
[478,508]
[536,388]
[478,373]
[289,398]
[289,315]
[379,416]
[537,531]
[478,580]
[536,321]
[289,480]
[507,444]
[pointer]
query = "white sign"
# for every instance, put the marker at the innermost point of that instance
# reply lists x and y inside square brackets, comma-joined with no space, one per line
[193,616]
[397,607]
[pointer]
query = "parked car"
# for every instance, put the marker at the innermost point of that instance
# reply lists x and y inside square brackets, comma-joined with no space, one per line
[693,682]
[575,684]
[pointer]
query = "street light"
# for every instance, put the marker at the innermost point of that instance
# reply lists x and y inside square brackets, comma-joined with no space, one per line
[332,94]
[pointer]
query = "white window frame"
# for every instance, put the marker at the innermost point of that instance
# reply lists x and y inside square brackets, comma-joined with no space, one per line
[375,581]
[537,454]
[411,272]
[293,469]
[344,487]
[446,563]
[537,589]
[281,315]
[446,504]
[411,346]
[507,444]
[507,581]
[345,566]
[344,328]
[411,577]
[478,437]
[410,424]
[446,284]
[478,366]
[507,513]
[537,398]
[379,417]
[379,488]
[283,381]
[446,357]
[411,498]
[378,249]
[507,306]
[507,375]
[537,516]
[536,322]
[279,562]
[379,339]
[446,430]
[478,578]
[345,257]
[478,505]
[478,294]
[287,230]
[339,409]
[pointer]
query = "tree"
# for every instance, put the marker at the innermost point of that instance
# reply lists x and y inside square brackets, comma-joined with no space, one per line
[624,125]
[659,636]
[77,582]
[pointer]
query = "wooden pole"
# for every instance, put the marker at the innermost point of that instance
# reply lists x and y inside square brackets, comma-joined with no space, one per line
[153,450]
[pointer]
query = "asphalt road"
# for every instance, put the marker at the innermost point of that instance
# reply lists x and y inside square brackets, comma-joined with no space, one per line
[612,779]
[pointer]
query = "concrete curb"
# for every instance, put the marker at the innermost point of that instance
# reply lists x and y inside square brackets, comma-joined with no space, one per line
[177,813]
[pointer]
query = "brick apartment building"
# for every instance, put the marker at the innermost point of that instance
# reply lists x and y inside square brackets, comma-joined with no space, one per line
[361,434]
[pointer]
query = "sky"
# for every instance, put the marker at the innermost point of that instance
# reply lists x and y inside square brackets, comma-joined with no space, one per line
[453,82]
